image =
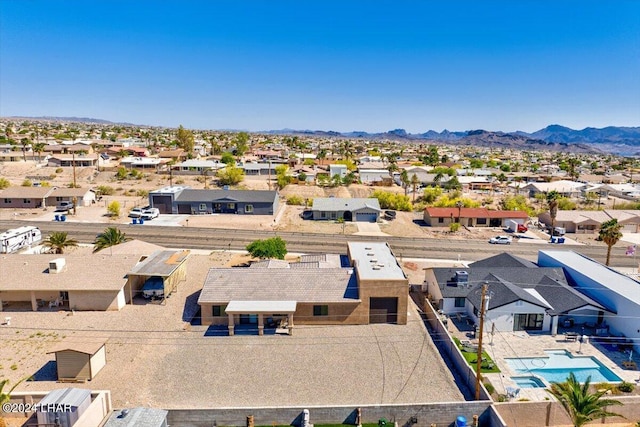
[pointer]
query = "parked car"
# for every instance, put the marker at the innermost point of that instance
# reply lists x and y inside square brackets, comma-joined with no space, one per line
[390,215]
[135,213]
[522,228]
[500,240]
[64,206]
[306,214]
[149,213]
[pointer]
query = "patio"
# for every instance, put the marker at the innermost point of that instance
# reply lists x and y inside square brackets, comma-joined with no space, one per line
[502,345]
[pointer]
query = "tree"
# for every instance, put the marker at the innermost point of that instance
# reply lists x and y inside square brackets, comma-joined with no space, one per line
[414,184]
[113,209]
[582,405]
[185,140]
[282,178]
[610,234]
[58,241]
[302,177]
[38,147]
[5,397]
[227,158]
[4,183]
[404,179]
[110,237]
[230,175]
[242,143]
[274,247]
[552,201]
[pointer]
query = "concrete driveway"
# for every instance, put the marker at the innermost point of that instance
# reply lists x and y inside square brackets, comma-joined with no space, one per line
[369,229]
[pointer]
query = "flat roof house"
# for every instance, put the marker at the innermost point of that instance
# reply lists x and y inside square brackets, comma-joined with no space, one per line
[351,209]
[373,289]
[619,293]
[184,200]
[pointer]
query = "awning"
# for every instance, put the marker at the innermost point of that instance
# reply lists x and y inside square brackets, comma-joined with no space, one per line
[255,307]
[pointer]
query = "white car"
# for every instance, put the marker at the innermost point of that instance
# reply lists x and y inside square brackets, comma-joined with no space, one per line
[150,213]
[500,240]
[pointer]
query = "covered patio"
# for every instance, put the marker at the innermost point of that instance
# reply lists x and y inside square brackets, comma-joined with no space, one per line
[246,309]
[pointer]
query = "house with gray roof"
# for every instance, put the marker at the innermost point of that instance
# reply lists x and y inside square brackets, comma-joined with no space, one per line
[317,290]
[522,296]
[333,208]
[185,200]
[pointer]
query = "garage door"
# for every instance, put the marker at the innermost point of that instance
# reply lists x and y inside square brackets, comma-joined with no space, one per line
[366,217]
[629,228]
[383,310]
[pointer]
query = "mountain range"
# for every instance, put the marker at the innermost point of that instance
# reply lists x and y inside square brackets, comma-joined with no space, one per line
[623,141]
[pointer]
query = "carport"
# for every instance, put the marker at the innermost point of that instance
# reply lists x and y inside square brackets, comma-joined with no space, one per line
[259,308]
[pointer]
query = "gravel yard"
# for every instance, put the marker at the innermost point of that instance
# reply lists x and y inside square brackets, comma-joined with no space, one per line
[155,358]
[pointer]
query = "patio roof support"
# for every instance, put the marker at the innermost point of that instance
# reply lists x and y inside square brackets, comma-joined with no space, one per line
[34,301]
[290,323]
[554,325]
[260,324]
[232,324]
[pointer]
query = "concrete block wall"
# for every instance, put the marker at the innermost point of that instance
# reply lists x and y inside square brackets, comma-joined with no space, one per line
[440,414]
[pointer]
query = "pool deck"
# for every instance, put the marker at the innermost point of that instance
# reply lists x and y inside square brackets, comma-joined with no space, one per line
[504,345]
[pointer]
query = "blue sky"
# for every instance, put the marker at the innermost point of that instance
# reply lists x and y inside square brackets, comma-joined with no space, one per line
[330,65]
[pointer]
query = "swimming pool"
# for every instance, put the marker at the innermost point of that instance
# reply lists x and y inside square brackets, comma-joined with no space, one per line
[528,382]
[559,363]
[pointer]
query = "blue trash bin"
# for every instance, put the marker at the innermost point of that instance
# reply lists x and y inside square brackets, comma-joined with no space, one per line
[56,218]
[560,239]
[134,220]
[63,217]
[554,240]
[461,421]
[141,221]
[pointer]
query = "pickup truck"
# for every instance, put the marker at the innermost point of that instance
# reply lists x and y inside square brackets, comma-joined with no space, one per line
[145,213]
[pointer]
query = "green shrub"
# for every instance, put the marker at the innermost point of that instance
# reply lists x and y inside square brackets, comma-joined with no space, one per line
[4,183]
[59,170]
[454,227]
[626,387]
[295,200]
[142,193]
[490,388]
[27,183]
[105,190]
[393,201]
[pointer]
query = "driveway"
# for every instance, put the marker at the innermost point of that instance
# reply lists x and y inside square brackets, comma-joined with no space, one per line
[369,229]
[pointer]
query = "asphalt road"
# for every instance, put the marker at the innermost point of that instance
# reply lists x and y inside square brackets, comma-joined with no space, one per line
[220,239]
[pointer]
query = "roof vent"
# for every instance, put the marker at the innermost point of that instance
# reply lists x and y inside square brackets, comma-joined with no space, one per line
[376,267]
[368,249]
[370,254]
[373,260]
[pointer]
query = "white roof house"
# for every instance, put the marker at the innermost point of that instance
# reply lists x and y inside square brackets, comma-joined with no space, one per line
[564,187]
[618,293]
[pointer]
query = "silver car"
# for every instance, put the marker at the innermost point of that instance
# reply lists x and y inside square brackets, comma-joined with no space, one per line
[500,240]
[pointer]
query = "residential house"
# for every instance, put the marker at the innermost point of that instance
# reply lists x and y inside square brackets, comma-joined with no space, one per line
[143,162]
[340,170]
[586,222]
[521,295]
[350,209]
[198,167]
[81,196]
[184,200]
[610,288]
[472,217]
[563,187]
[25,197]
[265,169]
[176,155]
[373,289]
[69,160]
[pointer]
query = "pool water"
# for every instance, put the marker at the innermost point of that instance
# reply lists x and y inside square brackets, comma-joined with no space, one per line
[528,382]
[559,363]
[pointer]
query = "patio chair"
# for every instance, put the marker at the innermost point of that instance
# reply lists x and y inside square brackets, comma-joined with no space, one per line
[512,392]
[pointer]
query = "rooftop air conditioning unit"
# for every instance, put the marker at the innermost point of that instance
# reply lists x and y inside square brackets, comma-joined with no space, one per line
[56,265]
[462,278]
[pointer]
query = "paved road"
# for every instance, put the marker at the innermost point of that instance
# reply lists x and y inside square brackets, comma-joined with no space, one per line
[418,247]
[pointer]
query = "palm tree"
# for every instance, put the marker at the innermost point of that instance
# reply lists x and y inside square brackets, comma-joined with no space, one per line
[552,200]
[58,241]
[610,234]
[110,237]
[6,397]
[38,147]
[414,183]
[404,179]
[581,405]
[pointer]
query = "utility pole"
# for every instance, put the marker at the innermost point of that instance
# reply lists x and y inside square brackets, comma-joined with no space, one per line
[73,154]
[479,361]
[269,180]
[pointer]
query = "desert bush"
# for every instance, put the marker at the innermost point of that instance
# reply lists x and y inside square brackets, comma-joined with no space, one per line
[295,200]
[27,183]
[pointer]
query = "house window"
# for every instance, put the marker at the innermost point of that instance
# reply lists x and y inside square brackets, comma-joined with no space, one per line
[231,205]
[334,215]
[203,206]
[323,215]
[460,302]
[320,310]
[248,209]
[26,200]
[481,221]
[7,201]
[216,310]
[441,220]
[60,199]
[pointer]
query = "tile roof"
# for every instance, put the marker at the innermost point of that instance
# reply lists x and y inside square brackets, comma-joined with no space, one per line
[333,285]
